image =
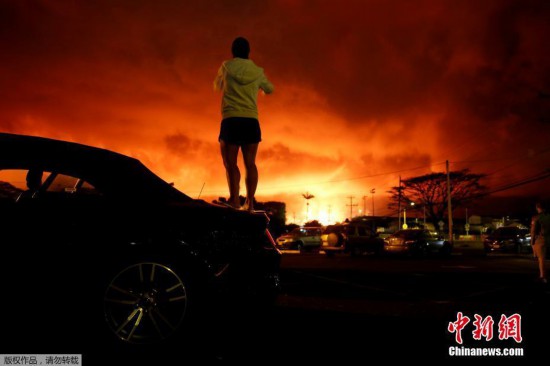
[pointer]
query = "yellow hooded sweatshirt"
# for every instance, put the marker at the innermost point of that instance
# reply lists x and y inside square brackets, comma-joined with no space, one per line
[240,80]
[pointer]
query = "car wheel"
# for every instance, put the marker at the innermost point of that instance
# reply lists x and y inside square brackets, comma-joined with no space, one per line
[445,251]
[354,251]
[379,250]
[145,303]
[420,251]
[299,246]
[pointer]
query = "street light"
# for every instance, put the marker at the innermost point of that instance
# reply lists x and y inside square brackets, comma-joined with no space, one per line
[405,226]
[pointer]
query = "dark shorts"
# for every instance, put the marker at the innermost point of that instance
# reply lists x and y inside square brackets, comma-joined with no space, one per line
[240,131]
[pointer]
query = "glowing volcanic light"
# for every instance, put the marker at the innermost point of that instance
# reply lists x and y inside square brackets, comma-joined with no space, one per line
[380,89]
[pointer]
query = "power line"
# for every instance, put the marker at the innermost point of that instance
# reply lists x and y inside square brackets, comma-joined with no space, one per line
[354,178]
[514,160]
[536,178]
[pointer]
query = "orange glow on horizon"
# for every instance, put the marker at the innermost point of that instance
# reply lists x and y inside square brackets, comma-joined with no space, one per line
[363,100]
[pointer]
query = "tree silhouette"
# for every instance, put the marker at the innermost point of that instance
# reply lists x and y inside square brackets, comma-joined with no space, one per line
[313,223]
[429,192]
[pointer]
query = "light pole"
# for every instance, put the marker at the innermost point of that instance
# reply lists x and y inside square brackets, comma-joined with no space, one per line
[405,226]
[424,213]
[372,192]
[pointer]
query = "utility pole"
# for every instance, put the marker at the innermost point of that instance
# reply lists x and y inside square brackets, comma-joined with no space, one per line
[467,224]
[351,205]
[372,192]
[373,220]
[399,204]
[365,205]
[424,212]
[449,208]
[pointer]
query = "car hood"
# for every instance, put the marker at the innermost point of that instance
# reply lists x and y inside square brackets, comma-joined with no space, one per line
[219,216]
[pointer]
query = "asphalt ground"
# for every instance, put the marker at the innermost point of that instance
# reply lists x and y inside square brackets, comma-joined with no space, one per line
[357,310]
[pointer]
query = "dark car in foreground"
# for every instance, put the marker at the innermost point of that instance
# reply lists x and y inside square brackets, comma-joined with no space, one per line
[417,242]
[95,246]
[508,239]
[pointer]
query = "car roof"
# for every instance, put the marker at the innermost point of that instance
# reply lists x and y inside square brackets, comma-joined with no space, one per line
[107,170]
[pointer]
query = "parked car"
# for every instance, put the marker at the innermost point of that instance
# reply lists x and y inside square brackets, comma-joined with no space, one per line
[354,238]
[417,242]
[94,245]
[508,239]
[301,238]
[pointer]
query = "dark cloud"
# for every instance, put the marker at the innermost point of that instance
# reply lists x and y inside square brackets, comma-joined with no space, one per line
[185,147]
[288,162]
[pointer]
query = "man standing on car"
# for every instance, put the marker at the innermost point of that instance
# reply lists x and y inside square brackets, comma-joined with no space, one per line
[240,80]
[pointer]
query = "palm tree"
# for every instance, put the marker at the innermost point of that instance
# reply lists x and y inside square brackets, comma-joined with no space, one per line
[307,196]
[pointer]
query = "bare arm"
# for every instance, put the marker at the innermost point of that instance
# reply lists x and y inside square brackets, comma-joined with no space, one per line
[533,226]
[266,85]
[218,81]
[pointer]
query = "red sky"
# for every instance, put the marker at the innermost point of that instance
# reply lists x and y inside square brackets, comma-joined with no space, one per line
[365,90]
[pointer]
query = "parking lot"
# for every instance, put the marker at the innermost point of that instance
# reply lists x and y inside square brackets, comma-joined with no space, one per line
[353,309]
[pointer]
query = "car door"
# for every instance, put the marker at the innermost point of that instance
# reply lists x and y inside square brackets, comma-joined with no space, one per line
[46,263]
[352,238]
[431,241]
[363,237]
[313,237]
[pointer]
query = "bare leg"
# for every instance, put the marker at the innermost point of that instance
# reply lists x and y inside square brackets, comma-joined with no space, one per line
[541,259]
[229,155]
[251,179]
[540,253]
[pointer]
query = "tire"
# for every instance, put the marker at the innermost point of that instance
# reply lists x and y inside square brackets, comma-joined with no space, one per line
[145,303]
[445,251]
[419,251]
[300,246]
[354,251]
[378,248]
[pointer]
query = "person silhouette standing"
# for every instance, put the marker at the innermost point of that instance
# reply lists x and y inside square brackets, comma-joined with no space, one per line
[240,81]
[540,237]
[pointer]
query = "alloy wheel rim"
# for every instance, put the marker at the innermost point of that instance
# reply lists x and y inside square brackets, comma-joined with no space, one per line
[145,303]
